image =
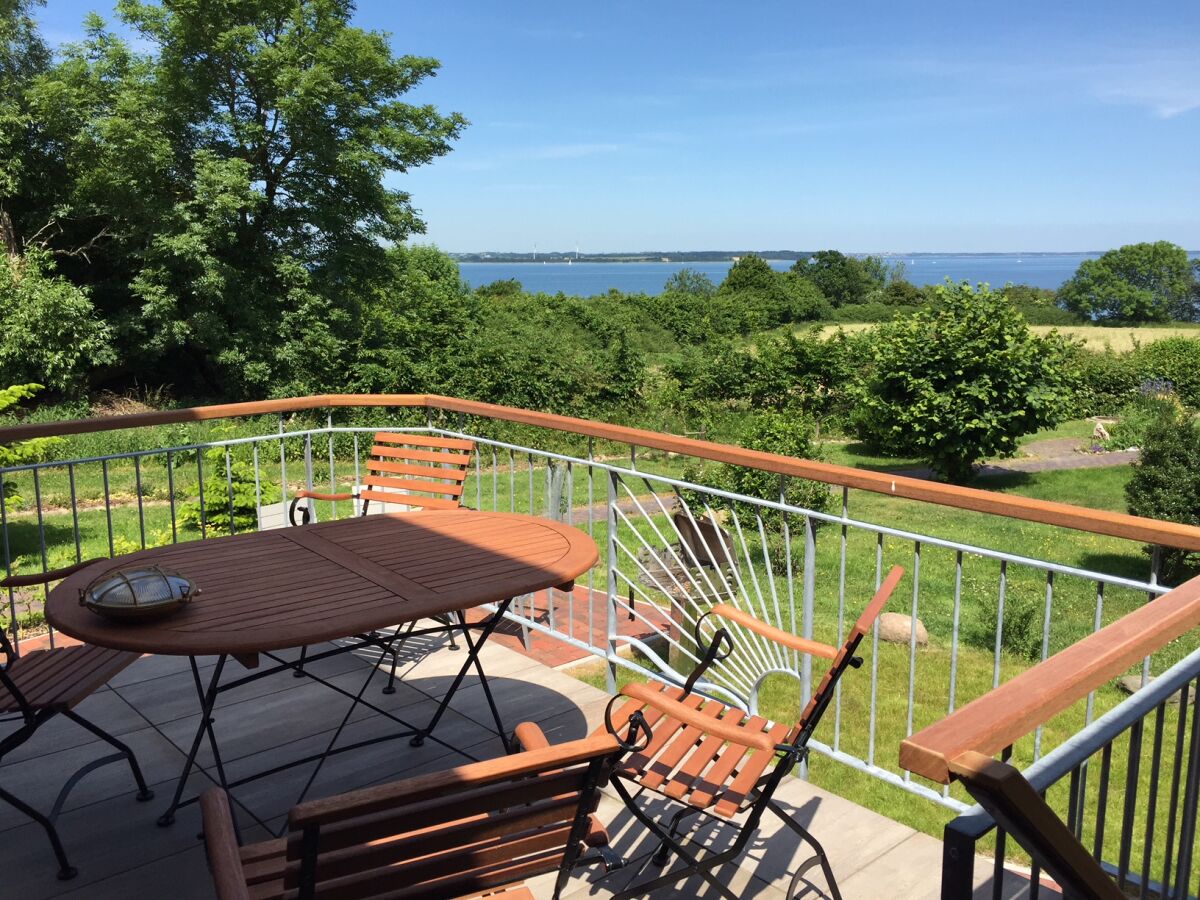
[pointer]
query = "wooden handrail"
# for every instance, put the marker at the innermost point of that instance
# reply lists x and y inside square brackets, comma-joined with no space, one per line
[1006,714]
[1062,515]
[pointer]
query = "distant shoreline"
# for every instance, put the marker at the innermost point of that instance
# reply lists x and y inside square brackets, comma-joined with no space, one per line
[774,255]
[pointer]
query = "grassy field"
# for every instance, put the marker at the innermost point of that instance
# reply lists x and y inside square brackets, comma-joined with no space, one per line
[1095,337]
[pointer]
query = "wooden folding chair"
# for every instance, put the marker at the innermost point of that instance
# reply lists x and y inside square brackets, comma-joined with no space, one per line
[414,471]
[37,686]
[481,827]
[716,760]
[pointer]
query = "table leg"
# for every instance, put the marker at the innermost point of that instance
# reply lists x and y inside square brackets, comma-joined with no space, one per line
[473,648]
[208,699]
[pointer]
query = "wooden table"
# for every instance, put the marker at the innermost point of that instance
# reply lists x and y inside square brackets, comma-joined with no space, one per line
[267,591]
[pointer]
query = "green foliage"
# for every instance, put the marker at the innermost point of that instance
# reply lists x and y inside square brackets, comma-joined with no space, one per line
[787,434]
[230,499]
[901,292]
[1110,381]
[1166,484]
[1019,623]
[762,298]
[1137,419]
[1135,283]
[224,195]
[25,452]
[49,331]
[960,383]
[843,279]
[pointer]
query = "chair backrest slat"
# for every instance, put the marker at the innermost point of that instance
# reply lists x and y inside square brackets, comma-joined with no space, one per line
[417,470]
[467,829]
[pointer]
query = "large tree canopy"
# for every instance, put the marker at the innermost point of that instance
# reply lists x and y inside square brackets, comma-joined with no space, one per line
[226,196]
[1135,283]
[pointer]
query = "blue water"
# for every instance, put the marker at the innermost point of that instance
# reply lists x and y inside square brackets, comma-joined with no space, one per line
[588,279]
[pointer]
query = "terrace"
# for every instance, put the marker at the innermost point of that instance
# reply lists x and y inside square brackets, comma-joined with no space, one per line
[1032,609]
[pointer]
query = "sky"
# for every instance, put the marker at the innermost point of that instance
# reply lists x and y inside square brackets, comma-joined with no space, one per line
[937,126]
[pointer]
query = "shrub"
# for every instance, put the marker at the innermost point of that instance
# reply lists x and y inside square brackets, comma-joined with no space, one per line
[961,383]
[229,493]
[788,434]
[1155,403]
[49,331]
[1166,484]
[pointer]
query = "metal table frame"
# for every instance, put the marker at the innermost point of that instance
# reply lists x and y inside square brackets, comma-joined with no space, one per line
[209,693]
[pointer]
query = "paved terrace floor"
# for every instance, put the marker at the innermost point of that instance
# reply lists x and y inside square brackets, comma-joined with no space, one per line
[121,853]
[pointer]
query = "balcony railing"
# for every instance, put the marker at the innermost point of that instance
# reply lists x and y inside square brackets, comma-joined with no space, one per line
[671,546]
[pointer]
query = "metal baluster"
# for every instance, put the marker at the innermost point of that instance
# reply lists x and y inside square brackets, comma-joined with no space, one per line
[37,493]
[171,495]
[1000,622]
[12,596]
[1152,805]
[806,621]
[137,475]
[258,522]
[1102,800]
[107,505]
[956,616]
[357,477]
[1132,771]
[74,513]
[229,491]
[332,468]
[875,656]
[591,527]
[841,616]
[1176,777]
[1037,735]
[1187,828]
[912,644]
[791,578]
[612,582]
[200,479]
[283,482]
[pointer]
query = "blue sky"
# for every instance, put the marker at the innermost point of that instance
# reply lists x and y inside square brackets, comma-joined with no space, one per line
[862,126]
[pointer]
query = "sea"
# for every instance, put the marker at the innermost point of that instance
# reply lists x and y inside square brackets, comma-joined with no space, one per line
[587,279]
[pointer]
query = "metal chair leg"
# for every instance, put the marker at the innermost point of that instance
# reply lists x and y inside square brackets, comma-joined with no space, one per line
[819,857]
[144,793]
[66,871]
[298,672]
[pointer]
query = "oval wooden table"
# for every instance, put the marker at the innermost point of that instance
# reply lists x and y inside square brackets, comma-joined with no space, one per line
[267,591]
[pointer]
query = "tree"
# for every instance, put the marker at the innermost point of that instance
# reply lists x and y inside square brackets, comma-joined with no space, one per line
[1166,482]
[1135,283]
[961,383]
[842,279]
[24,452]
[23,56]
[231,185]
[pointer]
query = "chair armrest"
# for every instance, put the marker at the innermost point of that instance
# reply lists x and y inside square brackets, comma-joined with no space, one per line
[13,581]
[776,635]
[866,621]
[220,843]
[317,495]
[644,693]
[530,737]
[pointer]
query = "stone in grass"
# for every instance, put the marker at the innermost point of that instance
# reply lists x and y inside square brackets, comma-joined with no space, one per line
[1131,684]
[897,628]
